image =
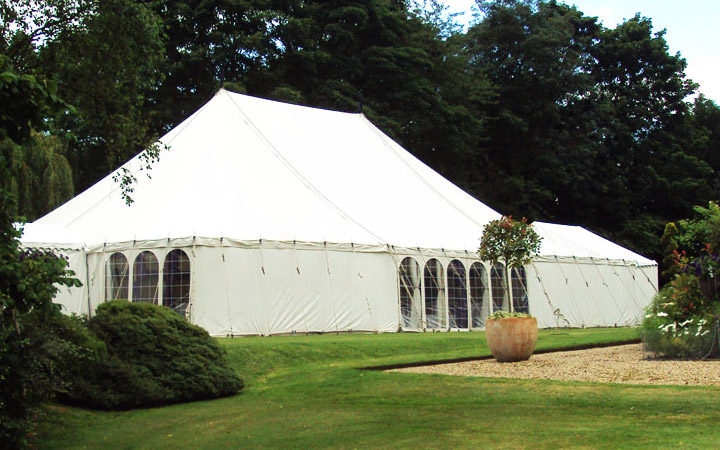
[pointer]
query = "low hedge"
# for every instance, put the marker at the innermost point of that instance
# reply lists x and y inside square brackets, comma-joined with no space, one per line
[154,357]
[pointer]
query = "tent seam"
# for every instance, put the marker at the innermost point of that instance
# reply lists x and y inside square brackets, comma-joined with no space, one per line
[297,173]
[375,130]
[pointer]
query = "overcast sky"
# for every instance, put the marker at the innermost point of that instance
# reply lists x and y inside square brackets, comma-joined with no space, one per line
[692,29]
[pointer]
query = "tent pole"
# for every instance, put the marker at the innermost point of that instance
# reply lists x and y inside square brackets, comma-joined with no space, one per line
[264,288]
[227,294]
[297,270]
[332,294]
[508,288]
[87,278]
[362,282]
[421,275]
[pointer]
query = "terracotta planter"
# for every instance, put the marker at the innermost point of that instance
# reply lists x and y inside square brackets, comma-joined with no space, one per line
[511,339]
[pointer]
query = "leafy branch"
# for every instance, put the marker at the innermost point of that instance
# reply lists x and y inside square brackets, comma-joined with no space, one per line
[127,179]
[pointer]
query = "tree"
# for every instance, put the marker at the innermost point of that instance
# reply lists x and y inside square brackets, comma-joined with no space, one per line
[703,138]
[512,242]
[642,88]
[590,125]
[25,25]
[106,67]
[28,278]
[539,149]
[208,45]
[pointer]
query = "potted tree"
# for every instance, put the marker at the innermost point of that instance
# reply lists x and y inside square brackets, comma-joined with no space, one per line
[511,336]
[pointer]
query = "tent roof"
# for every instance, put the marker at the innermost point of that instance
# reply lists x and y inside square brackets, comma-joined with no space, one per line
[574,241]
[247,168]
[48,235]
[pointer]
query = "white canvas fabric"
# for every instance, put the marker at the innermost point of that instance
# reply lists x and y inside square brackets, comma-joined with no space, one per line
[296,219]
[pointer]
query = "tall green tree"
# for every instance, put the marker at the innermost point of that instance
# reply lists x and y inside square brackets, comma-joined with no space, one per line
[591,124]
[535,54]
[703,137]
[28,278]
[106,68]
[643,88]
[36,172]
[209,44]
[25,25]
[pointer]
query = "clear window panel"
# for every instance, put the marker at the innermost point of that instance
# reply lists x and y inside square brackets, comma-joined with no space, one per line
[117,277]
[410,301]
[434,294]
[176,281]
[479,294]
[145,278]
[519,290]
[498,286]
[457,295]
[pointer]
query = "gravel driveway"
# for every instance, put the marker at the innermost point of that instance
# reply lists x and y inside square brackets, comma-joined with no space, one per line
[620,364]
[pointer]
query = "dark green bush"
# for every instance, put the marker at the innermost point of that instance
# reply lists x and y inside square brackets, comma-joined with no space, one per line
[32,360]
[155,357]
[48,350]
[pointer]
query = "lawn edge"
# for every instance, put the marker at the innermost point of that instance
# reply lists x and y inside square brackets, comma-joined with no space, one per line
[484,357]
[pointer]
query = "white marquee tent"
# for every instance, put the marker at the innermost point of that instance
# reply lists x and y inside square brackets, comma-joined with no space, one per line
[266,218]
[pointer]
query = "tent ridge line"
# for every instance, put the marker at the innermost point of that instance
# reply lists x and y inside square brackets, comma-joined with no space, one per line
[293,170]
[374,129]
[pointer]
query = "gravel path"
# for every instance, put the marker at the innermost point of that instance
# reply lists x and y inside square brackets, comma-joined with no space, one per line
[620,364]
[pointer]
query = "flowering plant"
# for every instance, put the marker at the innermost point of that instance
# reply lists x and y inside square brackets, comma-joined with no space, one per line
[514,242]
[681,320]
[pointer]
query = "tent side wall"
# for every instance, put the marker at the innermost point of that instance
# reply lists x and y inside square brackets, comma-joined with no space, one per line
[74,300]
[71,300]
[589,292]
[264,288]
[263,291]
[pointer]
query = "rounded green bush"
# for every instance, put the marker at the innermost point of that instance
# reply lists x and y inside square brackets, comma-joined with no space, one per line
[155,357]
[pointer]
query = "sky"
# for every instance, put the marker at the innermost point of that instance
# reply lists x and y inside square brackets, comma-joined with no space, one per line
[692,29]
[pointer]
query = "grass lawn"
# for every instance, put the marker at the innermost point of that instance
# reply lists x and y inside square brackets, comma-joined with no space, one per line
[306,392]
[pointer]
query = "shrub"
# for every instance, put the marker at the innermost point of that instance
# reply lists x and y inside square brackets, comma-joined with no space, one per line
[680,322]
[31,359]
[48,350]
[155,357]
[691,338]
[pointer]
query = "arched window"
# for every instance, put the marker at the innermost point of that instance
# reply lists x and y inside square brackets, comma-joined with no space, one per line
[498,284]
[117,277]
[478,294]
[176,281]
[457,294]
[434,294]
[145,278]
[410,302]
[518,281]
